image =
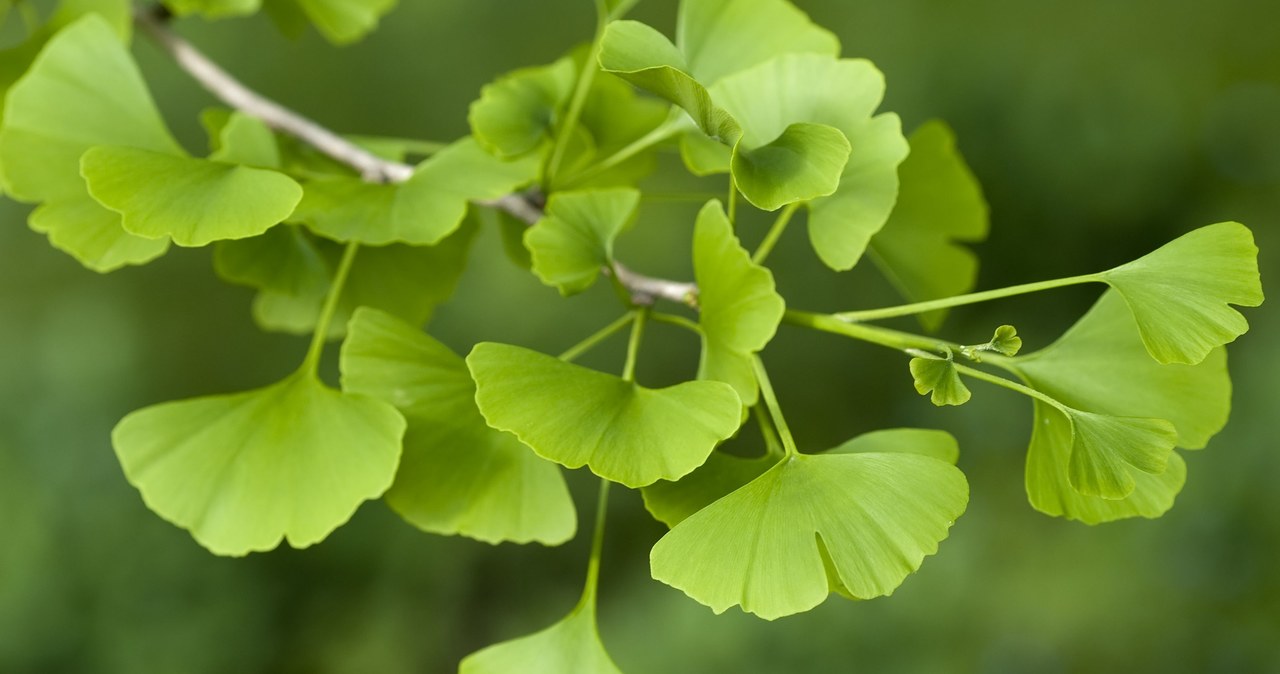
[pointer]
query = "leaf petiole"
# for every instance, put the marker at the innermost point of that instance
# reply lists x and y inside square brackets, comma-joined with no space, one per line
[321,335]
[775,411]
[633,345]
[960,300]
[674,124]
[679,321]
[775,233]
[597,546]
[595,338]
[773,445]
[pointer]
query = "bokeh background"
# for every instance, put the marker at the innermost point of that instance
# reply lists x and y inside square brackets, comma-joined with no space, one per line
[1099,129]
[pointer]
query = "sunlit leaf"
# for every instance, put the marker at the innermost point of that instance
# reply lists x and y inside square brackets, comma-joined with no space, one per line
[241,472]
[1107,450]
[421,211]
[939,206]
[739,308]
[242,139]
[192,201]
[575,237]
[939,376]
[801,164]
[1180,293]
[939,445]
[92,234]
[704,156]
[571,646]
[874,516]
[516,113]
[457,475]
[575,416]
[721,37]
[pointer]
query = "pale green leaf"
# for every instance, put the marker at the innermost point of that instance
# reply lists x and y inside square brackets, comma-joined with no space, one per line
[457,475]
[339,21]
[213,9]
[1106,451]
[721,37]
[739,306]
[192,201]
[802,164]
[874,516]
[285,260]
[575,237]
[517,112]
[1005,341]
[241,472]
[704,156]
[1180,293]
[926,442]
[940,205]
[673,502]
[242,139]
[92,235]
[421,211]
[571,646]
[939,376]
[118,13]
[575,416]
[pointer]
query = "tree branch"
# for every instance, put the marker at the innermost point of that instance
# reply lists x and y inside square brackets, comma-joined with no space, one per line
[372,168]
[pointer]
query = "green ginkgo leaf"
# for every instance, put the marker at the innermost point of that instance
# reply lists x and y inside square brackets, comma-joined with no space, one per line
[740,308]
[1106,450]
[1180,293]
[192,201]
[939,445]
[1101,365]
[243,471]
[842,94]
[872,517]
[801,164]
[213,9]
[575,237]
[285,259]
[939,376]
[339,21]
[721,37]
[571,646]
[1051,492]
[622,431]
[939,206]
[420,211]
[241,139]
[1004,341]
[704,156]
[457,475]
[516,113]
[87,231]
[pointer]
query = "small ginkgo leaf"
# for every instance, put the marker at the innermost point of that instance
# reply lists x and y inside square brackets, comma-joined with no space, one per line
[91,234]
[339,21]
[1101,365]
[739,307]
[285,259]
[575,237]
[192,201]
[802,164]
[1106,450]
[241,472]
[622,431]
[1005,342]
[940,205]
[420,211]
[1179,294]
[842,94]
[873,517]
[571,646]
[939,376]
[516,113]
[1050,491]
[457,475]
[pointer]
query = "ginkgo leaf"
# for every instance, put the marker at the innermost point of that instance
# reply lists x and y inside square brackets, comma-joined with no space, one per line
[339,21]
[241,472]
[721,37]
[1051,492]
[614,117]
[940,206]
[192,201]
[285,259]
[704,156]
[242,139]
[420,211]
[516,113]
[939,445]
[873,516]
[739,307]
[213,9]
[457,475]
[91,234]
[1101,365]
[801,164]
[1180,292]
[939,376]
[842,94]
[1004,341]
[571,646]
[575,236]
[1105,449]
[622,431]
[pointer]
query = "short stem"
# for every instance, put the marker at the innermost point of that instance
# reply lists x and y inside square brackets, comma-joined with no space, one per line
[580,90]
[598,336]
[679,321]
[733,200]
[1005,383]
[597,545]
[663,131]
[633,345]
[775,411]
[959,300]
[775,233]
[772,445]
[321,335]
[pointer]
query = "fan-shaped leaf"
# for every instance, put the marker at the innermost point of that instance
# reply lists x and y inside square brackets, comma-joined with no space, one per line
[739,306]
[873,516]
[803,163]
[571,646]
[516,113]
[1180,293]
[457,475]
[1106,450]
[242,471]
[87,231]
[575,237]
[622,431]
[721,37]
[939,375]
[242,139]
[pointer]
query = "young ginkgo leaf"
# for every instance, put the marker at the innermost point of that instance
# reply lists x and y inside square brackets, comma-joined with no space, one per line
[939,206]
[1107,450]
[242,471]
[1005,341]
[803,163]
[339,21]
[571,646]
[939,376]
[739,307]
[192,201]
[517,112]
[622,431]
[575,237]
[842,94]
[87,231]
[420,211]
[213,9]
[1180,292]
[457,475]
[1101,365]
[873,517]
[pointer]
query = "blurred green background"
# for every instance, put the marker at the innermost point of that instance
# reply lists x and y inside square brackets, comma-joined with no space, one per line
[1099,129]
